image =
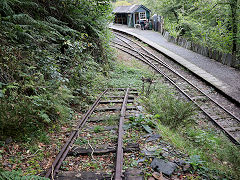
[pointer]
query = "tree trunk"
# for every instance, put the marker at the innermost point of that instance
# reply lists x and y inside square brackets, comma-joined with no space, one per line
[234,6]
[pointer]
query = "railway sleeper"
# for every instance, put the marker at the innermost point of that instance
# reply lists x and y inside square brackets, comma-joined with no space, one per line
[77,151]
[105,128]
[129,174]
[129,97]
[104,118]
[115,108]
[232,129]
[114,101]
[228,124]
[85,175]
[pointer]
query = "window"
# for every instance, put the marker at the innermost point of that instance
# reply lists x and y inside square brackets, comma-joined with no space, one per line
[142,15]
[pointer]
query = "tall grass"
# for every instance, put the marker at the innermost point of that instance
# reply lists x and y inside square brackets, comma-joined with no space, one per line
[170,111]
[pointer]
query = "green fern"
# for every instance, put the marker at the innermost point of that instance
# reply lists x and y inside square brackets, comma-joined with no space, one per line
[23,19]
[53,20]
[5,8]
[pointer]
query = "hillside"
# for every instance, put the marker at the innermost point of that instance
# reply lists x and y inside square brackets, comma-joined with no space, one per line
[53,54]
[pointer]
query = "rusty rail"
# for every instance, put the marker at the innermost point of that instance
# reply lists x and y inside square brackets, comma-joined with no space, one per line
[119,159]
[65,149]
[235,141]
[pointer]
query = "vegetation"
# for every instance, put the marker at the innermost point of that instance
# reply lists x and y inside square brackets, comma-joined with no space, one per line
[214,23]
[212,155]
[141,122]
[17,175]
[53,55]
[127,75]
[125,3]
[169,110]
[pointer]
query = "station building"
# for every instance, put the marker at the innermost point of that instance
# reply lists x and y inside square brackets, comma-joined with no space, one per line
[131,15]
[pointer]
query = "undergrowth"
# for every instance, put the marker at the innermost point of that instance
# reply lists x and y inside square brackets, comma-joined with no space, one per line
[54,56]
[17,175]
[126,75]
[168,109]
[212,155]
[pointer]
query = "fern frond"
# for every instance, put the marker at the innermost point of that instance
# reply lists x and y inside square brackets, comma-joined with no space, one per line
[23,19]
[53,20]
[5,9]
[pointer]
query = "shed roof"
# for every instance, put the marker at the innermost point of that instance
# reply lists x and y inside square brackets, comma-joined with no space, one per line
[128,9]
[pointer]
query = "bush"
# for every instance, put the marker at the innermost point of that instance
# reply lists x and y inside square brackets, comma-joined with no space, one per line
[170,111]
[52,57]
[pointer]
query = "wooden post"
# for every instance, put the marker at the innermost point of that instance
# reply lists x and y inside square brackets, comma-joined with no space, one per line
[133,19]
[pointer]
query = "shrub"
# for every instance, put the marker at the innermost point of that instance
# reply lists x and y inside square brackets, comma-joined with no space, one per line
[169,110]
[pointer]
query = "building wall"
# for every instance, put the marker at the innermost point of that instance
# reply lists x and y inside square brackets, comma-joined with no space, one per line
[148,15]
[130,18]
[141,10]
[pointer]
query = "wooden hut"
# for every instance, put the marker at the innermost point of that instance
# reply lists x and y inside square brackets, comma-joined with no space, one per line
[130,15]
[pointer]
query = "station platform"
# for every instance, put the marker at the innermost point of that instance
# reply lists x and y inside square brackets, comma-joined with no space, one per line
[224,78]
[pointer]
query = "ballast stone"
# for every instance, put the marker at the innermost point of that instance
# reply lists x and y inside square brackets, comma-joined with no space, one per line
[166,168]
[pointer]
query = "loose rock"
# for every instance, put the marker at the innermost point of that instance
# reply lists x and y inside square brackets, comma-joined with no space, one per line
[165,167]
[153,137]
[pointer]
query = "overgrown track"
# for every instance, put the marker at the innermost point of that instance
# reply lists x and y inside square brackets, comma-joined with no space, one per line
[110,105]
[224,118]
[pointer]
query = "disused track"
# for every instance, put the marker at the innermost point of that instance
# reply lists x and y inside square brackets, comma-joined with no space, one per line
[106,102]
[217,113]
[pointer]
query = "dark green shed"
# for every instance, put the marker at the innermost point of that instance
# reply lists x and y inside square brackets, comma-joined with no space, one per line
[130,15]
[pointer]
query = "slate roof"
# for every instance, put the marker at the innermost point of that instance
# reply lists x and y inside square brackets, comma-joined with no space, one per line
[128,9]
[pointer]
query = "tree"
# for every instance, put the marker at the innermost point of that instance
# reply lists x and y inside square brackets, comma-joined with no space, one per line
[234,7]
[122,3]
[213,23]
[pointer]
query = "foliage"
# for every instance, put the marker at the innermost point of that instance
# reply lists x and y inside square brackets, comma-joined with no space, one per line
[214,157]
[98,129]
[122,3]
[209,23]
[53,55]
[170,111]
[141,122]
[125,75]
[195,161]
[117,3]
[17,175]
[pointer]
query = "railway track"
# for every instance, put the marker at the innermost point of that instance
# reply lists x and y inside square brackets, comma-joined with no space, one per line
[97,140]
[221,115]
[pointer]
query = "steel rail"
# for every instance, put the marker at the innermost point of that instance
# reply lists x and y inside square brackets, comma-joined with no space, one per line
[65,149]
[177,73]
[182,91]
[119,159]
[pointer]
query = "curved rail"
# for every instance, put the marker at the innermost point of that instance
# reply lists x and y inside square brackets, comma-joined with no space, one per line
[155,58]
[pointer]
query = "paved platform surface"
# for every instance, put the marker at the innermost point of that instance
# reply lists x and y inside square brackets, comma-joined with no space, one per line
[224,78]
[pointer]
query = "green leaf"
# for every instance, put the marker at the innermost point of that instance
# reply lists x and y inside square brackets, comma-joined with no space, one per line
[45,117]
[126,126]
[147,128]
[1,94]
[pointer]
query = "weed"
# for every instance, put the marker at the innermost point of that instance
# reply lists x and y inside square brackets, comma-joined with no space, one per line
[9,175]
[215,151]
[127,76]
[112,120]
[98,129]
[81,141]
[170,111]
[140,122]
[195,161]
